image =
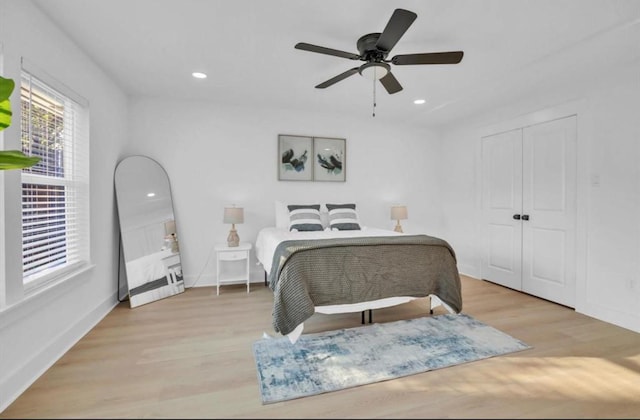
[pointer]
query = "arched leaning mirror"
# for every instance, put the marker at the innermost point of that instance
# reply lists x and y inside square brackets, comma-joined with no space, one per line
[148,230]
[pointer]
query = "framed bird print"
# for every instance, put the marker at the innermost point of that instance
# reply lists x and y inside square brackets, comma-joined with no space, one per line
[329,159]
[295,158]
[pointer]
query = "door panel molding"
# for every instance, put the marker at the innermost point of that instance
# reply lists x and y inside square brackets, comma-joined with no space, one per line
[540,159]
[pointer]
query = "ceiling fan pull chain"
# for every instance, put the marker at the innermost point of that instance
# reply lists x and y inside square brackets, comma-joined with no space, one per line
[374,97]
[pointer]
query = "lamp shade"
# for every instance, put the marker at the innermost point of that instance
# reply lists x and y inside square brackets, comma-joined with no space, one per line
[398,212]
[233,215]
[169,227]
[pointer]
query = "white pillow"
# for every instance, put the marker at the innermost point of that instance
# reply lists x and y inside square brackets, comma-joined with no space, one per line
[324,218]
[282,215]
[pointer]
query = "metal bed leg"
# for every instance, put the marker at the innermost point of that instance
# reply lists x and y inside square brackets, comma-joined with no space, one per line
[265,278]
[370,316]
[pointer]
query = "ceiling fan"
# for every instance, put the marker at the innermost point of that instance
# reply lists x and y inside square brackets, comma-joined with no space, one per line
[375,47]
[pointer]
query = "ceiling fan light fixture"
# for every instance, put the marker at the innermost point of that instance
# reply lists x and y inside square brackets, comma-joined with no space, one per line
[374,48]
[374,70]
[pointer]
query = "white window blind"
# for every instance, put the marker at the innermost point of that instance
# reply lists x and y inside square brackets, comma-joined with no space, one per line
[55,192]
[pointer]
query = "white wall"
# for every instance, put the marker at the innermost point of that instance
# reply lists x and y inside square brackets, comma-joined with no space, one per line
[36,330]
[608,236]
[217,156]
[612,287]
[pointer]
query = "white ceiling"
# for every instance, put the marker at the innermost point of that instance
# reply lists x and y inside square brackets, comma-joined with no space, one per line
[513,50]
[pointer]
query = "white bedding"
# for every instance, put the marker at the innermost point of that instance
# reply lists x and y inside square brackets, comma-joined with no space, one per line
[146,269]
[270,237]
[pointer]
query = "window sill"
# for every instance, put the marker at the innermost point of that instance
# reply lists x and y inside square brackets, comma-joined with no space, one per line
[53,276]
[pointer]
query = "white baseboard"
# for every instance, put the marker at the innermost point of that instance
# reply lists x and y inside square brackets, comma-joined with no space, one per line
[18,381]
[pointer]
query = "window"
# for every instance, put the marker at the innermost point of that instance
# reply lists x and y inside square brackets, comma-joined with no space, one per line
[55,192]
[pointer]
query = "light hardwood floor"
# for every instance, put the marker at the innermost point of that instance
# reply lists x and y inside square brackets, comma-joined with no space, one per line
[189,356]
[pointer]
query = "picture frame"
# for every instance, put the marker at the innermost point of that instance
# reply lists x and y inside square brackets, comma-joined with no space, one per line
[329,159]
[295,158]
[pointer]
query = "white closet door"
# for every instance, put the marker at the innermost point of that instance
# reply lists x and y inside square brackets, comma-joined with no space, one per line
[502,199]
[549,200]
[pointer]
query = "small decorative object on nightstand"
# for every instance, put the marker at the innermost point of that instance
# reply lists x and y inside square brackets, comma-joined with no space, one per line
[233,215]
[171,240]
[236,253]
[398,213]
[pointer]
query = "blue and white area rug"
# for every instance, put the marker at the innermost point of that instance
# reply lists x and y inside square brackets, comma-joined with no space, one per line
[334,360]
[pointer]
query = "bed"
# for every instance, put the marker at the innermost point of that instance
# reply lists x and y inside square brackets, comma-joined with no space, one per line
[154,276]
[337,271]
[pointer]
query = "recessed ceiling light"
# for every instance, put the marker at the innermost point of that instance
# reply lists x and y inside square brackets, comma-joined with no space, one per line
[151,194]
[419,101]
[199,75]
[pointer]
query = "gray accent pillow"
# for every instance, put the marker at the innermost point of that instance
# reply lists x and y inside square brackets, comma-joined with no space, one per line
[343,217]
[304,218]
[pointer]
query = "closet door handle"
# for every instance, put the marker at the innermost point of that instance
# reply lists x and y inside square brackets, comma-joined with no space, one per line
[516,216]
[525,217]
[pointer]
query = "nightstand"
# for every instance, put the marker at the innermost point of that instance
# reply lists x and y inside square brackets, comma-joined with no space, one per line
[236,253]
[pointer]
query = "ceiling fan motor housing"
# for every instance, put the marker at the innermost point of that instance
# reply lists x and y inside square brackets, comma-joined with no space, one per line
[367,47]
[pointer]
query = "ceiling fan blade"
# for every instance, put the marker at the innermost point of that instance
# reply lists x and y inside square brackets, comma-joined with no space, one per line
[337,78]
[390,83]
[323,50]
[451,57]
[396,27]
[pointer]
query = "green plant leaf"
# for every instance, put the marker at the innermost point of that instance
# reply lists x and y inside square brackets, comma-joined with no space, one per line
[6,88]
[15,159]
[5,114]
[11,159]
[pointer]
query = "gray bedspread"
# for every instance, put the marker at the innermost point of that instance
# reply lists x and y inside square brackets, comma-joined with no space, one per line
[309,273]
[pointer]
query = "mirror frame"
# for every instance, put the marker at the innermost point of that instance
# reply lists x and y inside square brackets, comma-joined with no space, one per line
[148,230]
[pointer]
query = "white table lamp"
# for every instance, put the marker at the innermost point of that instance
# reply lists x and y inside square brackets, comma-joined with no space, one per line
[398,213]
[233,215]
